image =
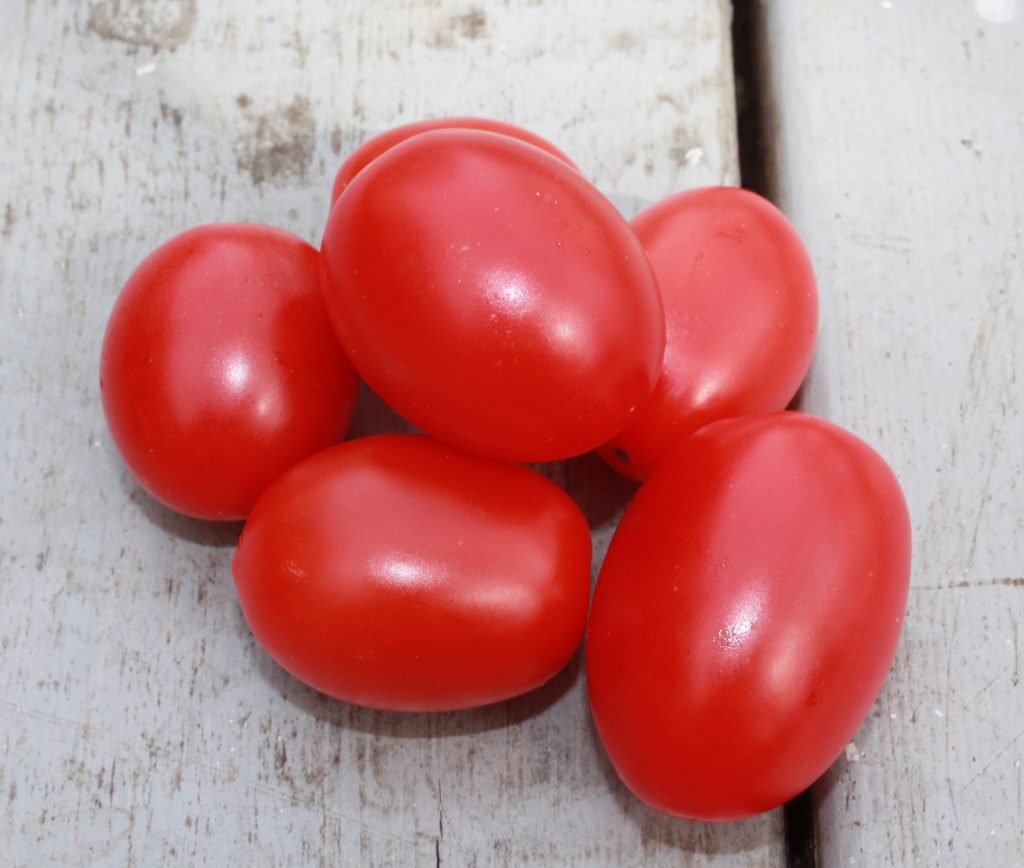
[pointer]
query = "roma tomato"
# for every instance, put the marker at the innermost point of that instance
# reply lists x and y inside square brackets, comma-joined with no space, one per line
[219,368]
[398,573]
[741,310]
[492,296]
[373,148]
[747,614]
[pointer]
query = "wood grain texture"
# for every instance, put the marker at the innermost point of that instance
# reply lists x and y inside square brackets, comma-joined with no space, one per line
[897,130]
[139,723]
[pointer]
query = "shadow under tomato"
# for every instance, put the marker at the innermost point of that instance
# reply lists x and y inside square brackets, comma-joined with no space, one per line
[398,724]
[600,492]
[216,534]
[372,416]
[797,404]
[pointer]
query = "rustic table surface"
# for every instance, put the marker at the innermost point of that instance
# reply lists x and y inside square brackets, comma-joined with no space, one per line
[139,722]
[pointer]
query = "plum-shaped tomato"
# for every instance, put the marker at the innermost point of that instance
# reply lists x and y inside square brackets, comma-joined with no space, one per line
[747,614]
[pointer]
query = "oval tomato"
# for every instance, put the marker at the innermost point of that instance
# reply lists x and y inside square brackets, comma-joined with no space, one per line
[492,296]
[398,573]
[741,310]
[219,368]
[367,152]
[747,614]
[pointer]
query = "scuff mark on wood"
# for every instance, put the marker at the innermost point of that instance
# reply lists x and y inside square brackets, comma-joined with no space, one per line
[160,24]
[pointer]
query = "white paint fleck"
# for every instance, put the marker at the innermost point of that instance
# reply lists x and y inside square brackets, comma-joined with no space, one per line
[996,11]
[694,156]
[938,713]
[852,753]
[145,69]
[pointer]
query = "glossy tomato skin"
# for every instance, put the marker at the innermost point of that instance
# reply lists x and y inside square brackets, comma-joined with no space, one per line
[399,573]
[492,296]
[219,367]
[741,310]
[367,152]
[747,614]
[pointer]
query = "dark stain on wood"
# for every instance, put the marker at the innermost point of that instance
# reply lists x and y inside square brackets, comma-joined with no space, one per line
[280,143]
[469,25]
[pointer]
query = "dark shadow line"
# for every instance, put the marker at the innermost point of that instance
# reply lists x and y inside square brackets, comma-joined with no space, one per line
[798,823]
[749,63]
[750,57]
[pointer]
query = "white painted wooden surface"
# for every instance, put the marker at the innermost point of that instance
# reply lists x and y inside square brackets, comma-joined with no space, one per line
[898,130]
[139,723]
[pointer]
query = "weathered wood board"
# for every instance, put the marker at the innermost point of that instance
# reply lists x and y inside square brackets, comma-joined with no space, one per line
[139,723]
[897,136]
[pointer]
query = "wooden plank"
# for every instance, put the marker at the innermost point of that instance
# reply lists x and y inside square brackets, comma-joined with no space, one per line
[139,723]
[897,130]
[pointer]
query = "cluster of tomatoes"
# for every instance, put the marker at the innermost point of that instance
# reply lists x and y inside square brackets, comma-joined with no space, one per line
[750,603]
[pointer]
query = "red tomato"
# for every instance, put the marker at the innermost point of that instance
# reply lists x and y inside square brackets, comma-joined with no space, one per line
[398,573]
[373,148]
[741,311]
[747,614]
[492,296]
[219,367]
